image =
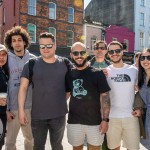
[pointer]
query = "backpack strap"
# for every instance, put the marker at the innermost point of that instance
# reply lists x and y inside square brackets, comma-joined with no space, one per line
[31,65]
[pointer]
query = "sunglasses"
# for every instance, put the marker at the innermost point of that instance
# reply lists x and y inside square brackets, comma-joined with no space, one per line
[99,48]
[76,53]
[117,51]
[142,58]
[48,46]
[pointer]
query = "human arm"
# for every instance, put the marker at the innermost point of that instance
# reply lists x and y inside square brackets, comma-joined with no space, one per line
[105,109]
[67,95]
[24,83]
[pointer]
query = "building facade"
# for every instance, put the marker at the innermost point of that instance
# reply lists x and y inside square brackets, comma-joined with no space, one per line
[64,19]
[133,14]
[92,32]
[121,34]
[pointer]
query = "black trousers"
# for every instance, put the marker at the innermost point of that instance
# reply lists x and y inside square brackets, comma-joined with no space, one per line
[3,120]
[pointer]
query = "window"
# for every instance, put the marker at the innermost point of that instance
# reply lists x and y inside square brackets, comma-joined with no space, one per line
[32,32]
[141,40]
[52,11]
[93,40]
[142,2]
[70,38]
[141,19]
[52,30]
[70,14]
[32,7]
[126,42]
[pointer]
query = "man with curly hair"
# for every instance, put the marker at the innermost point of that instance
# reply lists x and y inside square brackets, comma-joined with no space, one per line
[17,40]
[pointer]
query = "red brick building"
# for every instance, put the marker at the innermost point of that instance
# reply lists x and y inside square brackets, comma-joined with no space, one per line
[62,18]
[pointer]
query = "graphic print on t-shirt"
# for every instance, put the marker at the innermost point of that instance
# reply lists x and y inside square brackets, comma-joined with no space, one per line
[121,78]
[78,88]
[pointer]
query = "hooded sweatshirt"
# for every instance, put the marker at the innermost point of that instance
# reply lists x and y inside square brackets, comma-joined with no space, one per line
[16,65]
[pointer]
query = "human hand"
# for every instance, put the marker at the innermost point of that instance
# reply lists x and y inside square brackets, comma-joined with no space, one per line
[23,118]
[3,102]
[103,127]
[10,116]
[137,113]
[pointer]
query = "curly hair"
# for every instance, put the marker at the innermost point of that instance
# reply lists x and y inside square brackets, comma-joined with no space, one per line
[17,30]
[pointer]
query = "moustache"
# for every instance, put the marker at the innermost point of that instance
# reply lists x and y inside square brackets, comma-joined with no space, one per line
[79,58]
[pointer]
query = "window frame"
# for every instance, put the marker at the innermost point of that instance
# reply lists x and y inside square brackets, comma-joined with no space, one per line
[33,13]
[70,14]
[68,39]
[54,12]
[34,32]
[142,19]
[141,41]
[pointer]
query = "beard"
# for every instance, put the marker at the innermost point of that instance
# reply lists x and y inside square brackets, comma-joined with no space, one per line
[79,65]
[115,62]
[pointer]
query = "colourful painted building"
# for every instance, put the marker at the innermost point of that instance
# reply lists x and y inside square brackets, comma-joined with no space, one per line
[121,34]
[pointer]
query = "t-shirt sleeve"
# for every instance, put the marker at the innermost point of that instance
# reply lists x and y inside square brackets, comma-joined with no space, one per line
[102,83]
[67,85]
[25,72]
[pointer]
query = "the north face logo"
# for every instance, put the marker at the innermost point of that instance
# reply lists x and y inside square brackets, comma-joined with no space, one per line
[121,78]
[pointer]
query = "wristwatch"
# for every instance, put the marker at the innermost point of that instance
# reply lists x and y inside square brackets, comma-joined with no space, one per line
[106,119]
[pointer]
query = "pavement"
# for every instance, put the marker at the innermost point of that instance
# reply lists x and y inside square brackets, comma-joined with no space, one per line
[66,145]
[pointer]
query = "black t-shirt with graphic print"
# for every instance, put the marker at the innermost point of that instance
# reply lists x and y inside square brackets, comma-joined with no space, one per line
[85,87]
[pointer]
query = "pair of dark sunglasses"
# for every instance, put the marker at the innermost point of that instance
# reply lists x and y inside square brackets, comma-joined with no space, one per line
[99,48]
[76,53]
[117,51]
[48,46]
[142,58]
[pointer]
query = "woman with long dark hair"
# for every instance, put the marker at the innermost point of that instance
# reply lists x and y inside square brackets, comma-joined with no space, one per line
[144,89]
[4,75]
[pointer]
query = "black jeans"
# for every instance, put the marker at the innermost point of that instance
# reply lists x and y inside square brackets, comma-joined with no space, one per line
[3,129]
[56,129]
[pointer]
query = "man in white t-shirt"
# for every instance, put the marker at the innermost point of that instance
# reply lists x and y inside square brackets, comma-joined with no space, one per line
[122,79]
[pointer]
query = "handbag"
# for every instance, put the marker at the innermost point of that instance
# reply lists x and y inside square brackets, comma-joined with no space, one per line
[139,104]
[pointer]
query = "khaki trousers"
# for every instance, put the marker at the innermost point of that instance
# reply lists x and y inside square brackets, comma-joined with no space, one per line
[13,128]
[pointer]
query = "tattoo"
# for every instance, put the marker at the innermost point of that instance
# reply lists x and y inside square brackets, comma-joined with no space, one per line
[105,105]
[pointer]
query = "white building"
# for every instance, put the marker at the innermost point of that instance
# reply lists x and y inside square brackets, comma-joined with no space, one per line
[142,24]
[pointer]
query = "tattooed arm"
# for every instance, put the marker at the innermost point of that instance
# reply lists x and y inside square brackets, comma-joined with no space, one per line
[105,105]
[105,109]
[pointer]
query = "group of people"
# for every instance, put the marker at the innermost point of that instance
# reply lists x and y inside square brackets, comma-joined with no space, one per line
[100,100]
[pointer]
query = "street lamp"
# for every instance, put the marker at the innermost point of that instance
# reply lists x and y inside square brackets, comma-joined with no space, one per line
[1,1]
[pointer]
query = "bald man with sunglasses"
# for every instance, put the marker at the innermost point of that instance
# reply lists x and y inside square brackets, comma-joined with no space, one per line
[122,79]
[88,113]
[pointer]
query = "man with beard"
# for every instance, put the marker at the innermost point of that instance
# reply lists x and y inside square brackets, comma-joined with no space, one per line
[122,79]
[88,114]
[49,105]
[17,41]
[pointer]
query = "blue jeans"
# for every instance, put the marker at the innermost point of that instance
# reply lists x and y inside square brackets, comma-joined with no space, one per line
[56,129]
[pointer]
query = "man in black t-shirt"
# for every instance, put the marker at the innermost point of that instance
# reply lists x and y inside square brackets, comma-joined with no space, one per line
[89,102]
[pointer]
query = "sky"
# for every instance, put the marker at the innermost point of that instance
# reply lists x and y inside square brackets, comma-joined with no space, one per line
[86,2]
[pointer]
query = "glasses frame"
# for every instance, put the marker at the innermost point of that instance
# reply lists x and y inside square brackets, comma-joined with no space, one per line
[117,51]
[142,58]
[76,53]
[48,46]
[100,48]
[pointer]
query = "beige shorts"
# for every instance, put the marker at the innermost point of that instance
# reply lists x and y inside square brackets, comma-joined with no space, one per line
[76,134]
[126,129]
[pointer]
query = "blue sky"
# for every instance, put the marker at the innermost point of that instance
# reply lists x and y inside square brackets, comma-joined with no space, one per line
[86,2]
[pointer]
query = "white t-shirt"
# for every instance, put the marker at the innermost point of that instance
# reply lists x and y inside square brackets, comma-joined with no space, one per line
[122,82]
